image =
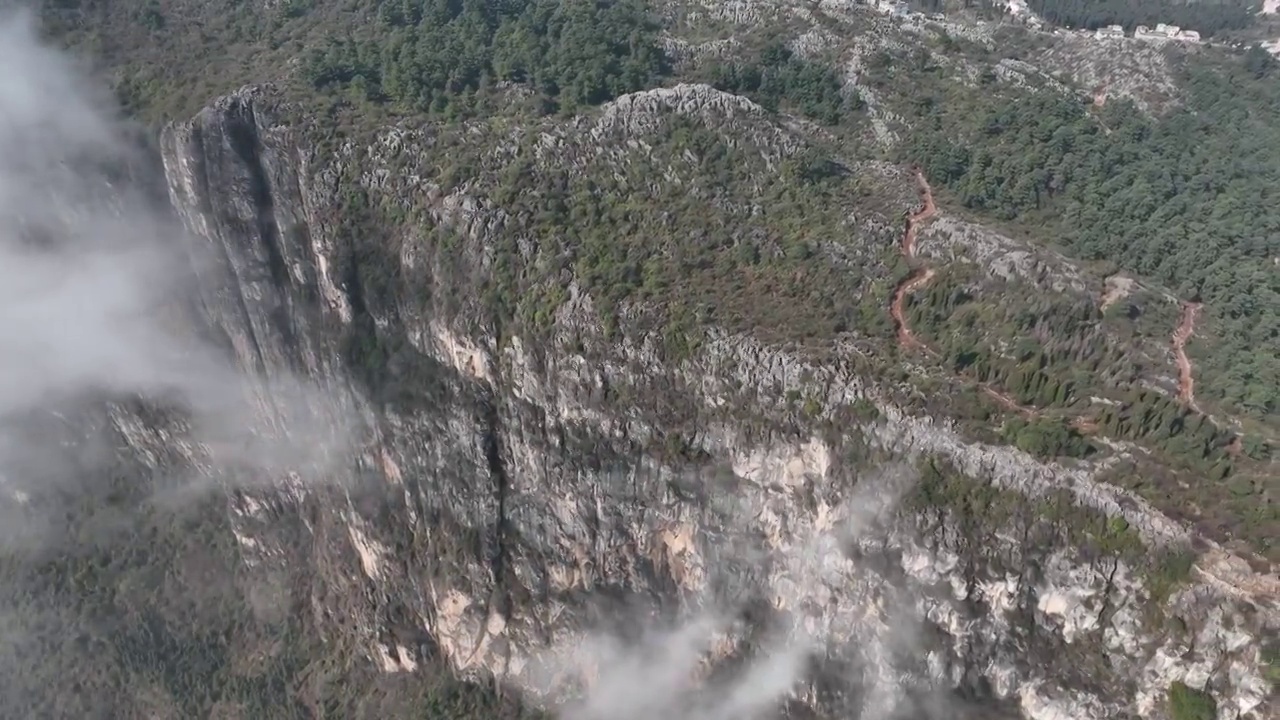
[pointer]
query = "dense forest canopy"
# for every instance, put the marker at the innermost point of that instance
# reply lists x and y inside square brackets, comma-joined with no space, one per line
[1188,200]
[435,55]
[780,79]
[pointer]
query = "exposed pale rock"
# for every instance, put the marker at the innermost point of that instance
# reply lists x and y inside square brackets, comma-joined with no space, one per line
[513,489]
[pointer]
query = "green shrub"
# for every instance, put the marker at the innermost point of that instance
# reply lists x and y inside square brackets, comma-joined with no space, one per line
[1186,703]
[1047,438]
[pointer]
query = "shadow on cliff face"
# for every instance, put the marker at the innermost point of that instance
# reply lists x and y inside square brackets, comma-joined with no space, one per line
[96,310]
[822,635]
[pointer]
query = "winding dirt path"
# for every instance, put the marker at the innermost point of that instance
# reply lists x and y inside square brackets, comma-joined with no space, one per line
[920,275]
[1006,401]
[1217,567]
[1186,327]
[1100,96]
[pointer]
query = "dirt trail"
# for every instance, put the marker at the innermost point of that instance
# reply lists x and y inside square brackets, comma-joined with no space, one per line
[1100,96]
[1080,423]
[920,275]
[1006,401]
[1186,327]
[1218,566]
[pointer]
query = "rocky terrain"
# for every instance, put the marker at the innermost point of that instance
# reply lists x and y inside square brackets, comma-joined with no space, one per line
[525,480]
[726,492]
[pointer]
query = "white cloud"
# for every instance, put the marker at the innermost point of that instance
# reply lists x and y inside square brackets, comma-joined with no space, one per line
[95,285]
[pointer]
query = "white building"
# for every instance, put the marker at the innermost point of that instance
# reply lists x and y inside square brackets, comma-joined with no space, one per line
[1111,31]
[1166,32]
[1017,7]
[1142,32]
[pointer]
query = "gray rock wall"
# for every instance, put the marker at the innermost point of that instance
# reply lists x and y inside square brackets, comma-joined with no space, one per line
[513,496]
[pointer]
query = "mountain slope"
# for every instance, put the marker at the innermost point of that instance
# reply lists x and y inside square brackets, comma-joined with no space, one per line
[637,360]
[543,460]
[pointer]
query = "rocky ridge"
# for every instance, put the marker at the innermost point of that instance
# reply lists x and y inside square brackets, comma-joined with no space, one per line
[517,484]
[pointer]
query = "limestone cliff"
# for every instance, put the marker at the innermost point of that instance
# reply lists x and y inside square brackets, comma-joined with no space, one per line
[520,487]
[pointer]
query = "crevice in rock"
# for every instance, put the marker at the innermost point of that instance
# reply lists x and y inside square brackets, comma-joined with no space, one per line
[491,420]
[247,145]
[1107,589]
[205,207]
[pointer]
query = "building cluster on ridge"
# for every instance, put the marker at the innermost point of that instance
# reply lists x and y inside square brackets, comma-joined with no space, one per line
[1020,10]
[1161,33]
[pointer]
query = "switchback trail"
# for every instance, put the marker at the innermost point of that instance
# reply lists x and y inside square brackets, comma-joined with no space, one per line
[920,275]
[1216,566]
[1186,327]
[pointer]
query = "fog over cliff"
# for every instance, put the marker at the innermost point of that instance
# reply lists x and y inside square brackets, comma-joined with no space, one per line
[96,306]
[227,461]
[719,660]
[96,284]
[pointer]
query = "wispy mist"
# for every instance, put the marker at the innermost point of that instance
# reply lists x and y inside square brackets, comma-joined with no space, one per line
[95,308]
[830,622]
[96,295]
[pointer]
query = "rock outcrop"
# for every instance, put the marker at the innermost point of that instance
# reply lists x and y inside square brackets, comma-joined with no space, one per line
[519,491]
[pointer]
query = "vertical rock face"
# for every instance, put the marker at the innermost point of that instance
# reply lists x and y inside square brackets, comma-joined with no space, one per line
[239,188]
[510,498]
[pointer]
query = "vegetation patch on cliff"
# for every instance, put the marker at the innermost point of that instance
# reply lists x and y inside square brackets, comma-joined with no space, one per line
[1056,519]
[737,236]
[1187,703]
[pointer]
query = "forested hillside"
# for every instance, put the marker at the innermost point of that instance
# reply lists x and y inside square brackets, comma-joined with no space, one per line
[712,227]
[1182,200]
[1188,199]
[435,55]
